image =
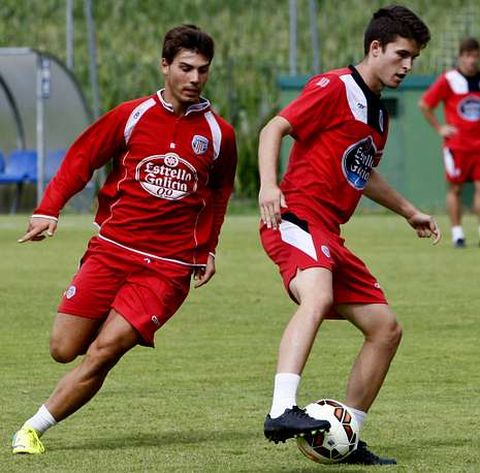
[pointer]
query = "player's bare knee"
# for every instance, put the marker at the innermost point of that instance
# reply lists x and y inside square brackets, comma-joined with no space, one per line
[103,356]
[395,335]
[455,191]
[62,354]
[317,306]
[389,334]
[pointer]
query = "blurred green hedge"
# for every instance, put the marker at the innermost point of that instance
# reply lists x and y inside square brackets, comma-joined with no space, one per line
[252,40]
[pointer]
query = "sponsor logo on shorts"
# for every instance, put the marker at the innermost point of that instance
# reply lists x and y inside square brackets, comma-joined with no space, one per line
[469,109]
[167,176]
[70,292]
[155,320]
[325,251]
[199,144]
[357,162]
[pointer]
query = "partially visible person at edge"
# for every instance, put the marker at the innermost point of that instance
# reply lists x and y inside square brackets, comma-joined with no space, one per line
[459,91]
[340,126]
[159,218]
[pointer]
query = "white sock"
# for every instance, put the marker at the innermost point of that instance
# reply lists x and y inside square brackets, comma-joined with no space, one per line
[359,416]
[457,233]
[284,393]
[41,421]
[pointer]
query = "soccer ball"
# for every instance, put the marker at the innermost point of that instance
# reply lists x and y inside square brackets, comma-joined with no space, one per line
[339,441]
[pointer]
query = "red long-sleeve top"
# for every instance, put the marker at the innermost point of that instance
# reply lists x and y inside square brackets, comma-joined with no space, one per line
[170,182]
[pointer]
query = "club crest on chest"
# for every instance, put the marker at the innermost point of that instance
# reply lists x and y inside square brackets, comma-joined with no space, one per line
[199,144]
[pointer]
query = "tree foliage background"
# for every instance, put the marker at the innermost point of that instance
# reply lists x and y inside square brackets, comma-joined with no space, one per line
[252,48]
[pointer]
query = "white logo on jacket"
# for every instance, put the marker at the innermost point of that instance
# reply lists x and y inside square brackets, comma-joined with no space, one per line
[323,82]
[199,144]
[167,176]
[469,108]
[70,292]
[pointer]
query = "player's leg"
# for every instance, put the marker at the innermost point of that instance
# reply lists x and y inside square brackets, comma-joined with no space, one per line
[87,301]
[456,168]
[455,171]
[90,294]
[382,334]
[454,209]
[312,288]
[77,387]
[71,336]
[476,202]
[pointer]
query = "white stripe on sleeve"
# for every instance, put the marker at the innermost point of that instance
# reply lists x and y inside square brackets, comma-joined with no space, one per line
[135,116]
[216,133]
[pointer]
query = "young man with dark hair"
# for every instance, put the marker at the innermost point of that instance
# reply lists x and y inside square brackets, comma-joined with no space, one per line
[459,90]
[340,128]
[159,218]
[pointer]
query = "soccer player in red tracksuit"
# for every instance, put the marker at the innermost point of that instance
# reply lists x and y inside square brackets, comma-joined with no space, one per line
[459,90]
[340,128]
[159,217]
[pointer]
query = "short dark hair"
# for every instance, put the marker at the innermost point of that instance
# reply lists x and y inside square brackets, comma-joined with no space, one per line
[392,21]
[467,45]
[189,37]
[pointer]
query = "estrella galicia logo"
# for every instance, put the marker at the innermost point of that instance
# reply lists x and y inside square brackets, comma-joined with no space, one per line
[357,162]
[199,144]
[167,176]
[469,109]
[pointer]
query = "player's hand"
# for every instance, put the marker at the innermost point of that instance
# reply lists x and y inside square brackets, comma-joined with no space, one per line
[446,131]
[203,275]
[425,226]
[271,200]
[38,228]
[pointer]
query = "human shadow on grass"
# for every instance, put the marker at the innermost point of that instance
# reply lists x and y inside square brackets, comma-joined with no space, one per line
[124,440]
[145,439]
[316,468]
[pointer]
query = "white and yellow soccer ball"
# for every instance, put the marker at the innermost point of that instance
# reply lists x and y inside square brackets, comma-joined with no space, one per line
[339,441]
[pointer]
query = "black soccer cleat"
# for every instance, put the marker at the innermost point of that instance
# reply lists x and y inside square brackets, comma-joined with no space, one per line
[293,422]
[363,456]
[460,243]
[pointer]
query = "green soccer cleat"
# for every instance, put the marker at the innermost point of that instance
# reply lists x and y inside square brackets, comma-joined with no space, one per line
[26,441]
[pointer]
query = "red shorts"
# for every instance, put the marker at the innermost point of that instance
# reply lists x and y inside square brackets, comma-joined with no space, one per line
[461,166]
[298,245]
[145,291]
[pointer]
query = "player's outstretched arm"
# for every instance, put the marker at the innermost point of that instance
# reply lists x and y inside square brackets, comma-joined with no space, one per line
[270,197]
[382,193]
[425,226]
[38,228]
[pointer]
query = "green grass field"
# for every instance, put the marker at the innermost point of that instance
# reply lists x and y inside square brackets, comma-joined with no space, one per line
[197,402]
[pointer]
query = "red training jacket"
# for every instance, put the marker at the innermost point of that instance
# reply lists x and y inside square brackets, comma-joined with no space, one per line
[171,178]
